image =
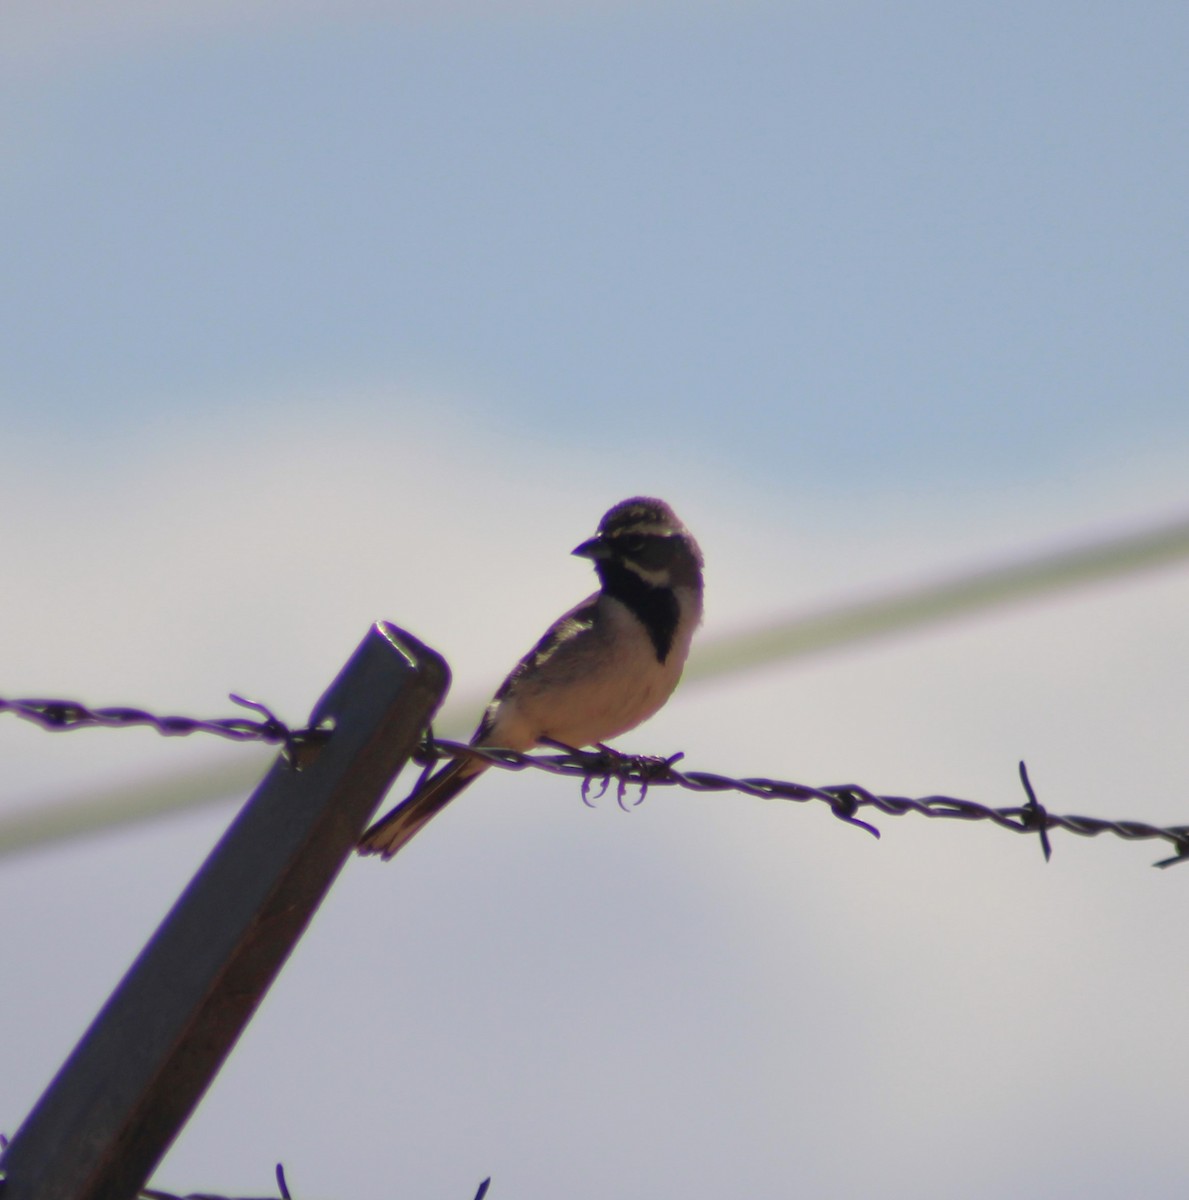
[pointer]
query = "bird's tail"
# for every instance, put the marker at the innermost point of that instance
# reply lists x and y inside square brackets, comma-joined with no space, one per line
[391,831]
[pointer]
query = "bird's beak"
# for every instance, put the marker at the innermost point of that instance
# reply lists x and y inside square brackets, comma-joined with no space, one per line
[593,547]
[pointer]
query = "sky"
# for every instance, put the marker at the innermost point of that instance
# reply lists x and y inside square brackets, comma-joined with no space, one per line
[314,315]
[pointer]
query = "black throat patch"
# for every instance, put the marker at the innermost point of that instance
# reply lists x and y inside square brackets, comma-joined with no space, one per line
[656,607]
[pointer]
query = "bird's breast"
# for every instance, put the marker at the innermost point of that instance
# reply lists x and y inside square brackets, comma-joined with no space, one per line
[596,686]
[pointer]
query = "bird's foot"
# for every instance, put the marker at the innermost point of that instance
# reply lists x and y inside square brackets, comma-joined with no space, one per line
[641,769]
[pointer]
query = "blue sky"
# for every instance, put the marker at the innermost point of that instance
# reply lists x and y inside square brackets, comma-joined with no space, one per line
[908,239]
[317,314]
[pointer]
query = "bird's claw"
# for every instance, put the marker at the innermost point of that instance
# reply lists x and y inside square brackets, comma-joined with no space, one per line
[641,769]
[606,763]
[586,786]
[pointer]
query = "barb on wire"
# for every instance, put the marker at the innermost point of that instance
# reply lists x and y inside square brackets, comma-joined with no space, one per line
[603,765]
[1035,815]
[844,800]
[155,1194]
[300,744]
[282,1188]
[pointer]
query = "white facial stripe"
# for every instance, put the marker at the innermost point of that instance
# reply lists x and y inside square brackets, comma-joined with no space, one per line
[652,578]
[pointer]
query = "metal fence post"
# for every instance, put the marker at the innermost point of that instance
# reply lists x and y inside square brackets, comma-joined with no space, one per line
[133,1080]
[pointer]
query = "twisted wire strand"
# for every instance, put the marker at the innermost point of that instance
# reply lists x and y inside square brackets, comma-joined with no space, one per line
[282,1186]
[58,715]
[844,800]
[604,765]
[70,714]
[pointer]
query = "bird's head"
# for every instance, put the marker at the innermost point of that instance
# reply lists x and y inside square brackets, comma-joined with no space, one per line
[644,536]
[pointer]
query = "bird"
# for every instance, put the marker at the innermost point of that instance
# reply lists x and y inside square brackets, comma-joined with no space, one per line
[601,669]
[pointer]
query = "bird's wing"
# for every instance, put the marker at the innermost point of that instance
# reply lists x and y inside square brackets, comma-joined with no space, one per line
[555,640]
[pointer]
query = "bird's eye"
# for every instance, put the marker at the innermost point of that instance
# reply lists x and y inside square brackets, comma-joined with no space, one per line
[631,543]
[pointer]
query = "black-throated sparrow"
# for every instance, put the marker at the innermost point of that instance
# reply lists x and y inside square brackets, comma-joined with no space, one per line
[600,669]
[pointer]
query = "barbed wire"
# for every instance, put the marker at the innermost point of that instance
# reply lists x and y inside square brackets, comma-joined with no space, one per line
[604,764]
[155,1194]
[57,715]
[282,1186]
